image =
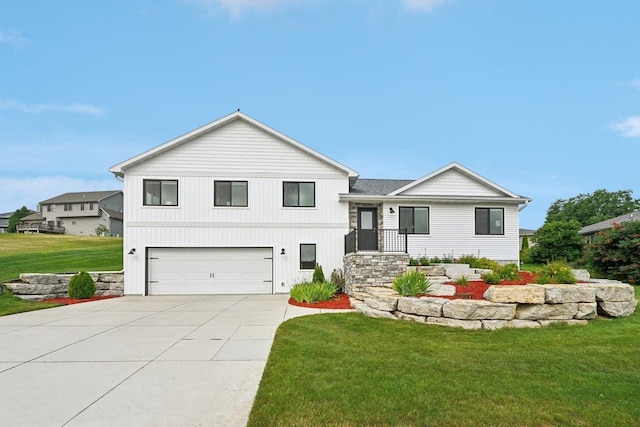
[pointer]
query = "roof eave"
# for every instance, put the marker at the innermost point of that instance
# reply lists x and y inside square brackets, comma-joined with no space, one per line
[434,198]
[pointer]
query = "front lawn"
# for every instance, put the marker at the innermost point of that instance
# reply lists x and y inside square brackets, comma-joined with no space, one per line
[351,370]
[11,304]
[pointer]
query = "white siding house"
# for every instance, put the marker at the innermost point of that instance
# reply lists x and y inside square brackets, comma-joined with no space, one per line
[238,207]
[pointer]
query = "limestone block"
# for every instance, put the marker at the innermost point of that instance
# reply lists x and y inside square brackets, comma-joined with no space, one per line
[424,306]
[371,312]
[467,309]
[547,311]
[45,279]
[568,322]
[527,294]
[492,325]
[455,323]
[581,275]
[37,289]
[410,317]
[110,277]
[379,302]
[587,310]
[378,290]
[359,295]
[612,291]
[441,289]
[617,308]
[560,294]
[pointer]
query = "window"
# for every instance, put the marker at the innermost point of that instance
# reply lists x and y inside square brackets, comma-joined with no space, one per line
[68,207]
[299,194]
[307,256]
[230,193]
[91,206]
[160,192]
[48,208]
[415,220]
[73,223]
[81,206]
[489,221]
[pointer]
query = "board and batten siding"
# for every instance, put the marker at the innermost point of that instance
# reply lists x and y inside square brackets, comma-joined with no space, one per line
[236,151]
[452,229]
[452,183]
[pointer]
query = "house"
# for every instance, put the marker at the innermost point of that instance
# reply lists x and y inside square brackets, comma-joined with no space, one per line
[4,221]
[590,230]
[77,214]
[238,207]
[529,233]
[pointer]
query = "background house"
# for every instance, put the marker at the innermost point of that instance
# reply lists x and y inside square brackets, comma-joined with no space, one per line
[4,221]
[77,214]
[529,233]
[592,229]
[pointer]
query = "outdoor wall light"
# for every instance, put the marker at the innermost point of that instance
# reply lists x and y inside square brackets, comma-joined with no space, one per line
[282,252]
[132,251]
[391,210]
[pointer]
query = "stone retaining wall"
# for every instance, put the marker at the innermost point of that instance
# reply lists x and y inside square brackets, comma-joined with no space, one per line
[374,269]
[34,286]
[527,306]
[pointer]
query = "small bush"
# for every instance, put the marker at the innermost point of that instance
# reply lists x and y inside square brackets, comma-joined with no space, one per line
[491,278]
[413,262]
[615,253]
[485,263]
[81,286]
[448,258]
[411,283]
[555,272]
[468,259]
[436,260]
[318,274]
[337,278]
[424,261]
[525,256]
[311,292]
[508,272]
[462,280]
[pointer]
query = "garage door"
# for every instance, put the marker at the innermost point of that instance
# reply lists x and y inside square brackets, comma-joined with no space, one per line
[174,271]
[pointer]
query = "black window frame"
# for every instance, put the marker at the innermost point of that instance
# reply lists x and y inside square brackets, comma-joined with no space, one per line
[68,207]
[487,232]
[144,192]
[49,208]
[215,191]
[91,206]
[413,217]
[307,265]
[284,199]
[81,206]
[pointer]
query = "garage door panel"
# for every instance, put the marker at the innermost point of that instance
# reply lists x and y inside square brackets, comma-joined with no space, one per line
[210,271]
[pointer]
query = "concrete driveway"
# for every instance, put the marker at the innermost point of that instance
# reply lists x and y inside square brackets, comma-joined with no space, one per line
[139,361]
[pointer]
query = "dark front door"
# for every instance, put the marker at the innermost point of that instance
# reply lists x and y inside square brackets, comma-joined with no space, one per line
[367,229]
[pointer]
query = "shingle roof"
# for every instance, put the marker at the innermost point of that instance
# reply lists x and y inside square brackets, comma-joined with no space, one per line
[113,214]
[36,216]
[608,223]
[378,187]
[526,231]
[87,196]
[6,215]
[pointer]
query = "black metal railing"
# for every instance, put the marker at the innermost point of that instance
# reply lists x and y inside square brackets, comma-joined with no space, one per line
[380,240]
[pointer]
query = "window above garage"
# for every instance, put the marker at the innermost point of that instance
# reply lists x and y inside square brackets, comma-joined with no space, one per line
[231,193]
[160,192]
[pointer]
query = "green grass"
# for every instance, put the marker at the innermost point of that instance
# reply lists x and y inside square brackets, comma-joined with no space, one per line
[46,253]
[11,304]
[350,370]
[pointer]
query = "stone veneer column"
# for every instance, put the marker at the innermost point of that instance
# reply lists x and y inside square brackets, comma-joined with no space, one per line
[372,269]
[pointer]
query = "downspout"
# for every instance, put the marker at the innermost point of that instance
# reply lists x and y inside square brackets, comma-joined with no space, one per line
[526,203]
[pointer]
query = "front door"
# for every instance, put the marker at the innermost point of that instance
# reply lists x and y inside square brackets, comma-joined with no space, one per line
[367,229]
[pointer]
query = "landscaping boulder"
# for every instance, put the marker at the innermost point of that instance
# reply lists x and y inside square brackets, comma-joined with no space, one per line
[581,274]
[372,312]
[455,323]
[410,317]
[441,289]
[612,291]
[527,294]
[424,306]
[382,298]
[617,308]
[587,310]
[492,325]
[560,294]
[547,311]
[467,309]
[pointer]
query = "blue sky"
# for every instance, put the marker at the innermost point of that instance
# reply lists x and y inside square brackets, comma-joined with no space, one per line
[542,97]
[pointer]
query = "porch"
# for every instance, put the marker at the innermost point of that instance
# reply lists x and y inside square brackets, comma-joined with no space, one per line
[39,228]
[376,240]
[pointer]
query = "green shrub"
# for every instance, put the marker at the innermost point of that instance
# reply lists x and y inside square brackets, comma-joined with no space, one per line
[491,278]
[81,286]
[558,240]
[485,263]
[311,292]
[411,283]
[413,262]
[462,280]
[424,261]
[525,242]
[468,259]
[337,278]
[318,274]
[525,256]
[508,272]
[616,252]
[555,272]
[436,260]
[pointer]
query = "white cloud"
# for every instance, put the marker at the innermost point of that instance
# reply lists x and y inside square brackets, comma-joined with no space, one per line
[10,104]
[30,191]
[629,127]
[423,5]
[12,38]
[238,8]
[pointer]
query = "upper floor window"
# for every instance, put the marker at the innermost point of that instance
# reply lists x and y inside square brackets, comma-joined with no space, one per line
[414,219]
[68,207]
[160,192]
[90,206]
[489,221]
[81,206]
[299,194]
[49,208]
[230,193]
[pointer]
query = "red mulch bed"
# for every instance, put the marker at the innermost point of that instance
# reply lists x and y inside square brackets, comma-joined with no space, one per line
[341,301]
[475,289]
[68,301]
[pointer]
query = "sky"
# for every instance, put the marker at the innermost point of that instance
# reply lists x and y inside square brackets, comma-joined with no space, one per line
[541,97]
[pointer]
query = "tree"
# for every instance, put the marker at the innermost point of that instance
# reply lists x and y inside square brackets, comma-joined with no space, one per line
[591,208]
[101,230]
[616,252]
[15,218]
[558,240]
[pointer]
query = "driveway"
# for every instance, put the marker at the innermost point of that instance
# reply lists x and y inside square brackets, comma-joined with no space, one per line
[139,361]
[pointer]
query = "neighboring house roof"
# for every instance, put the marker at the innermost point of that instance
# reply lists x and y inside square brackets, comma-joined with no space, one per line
[608,223]
[37,216]
[87,196]
[112,214]
[119,169]
[6,215]
[526,232]
[377,187]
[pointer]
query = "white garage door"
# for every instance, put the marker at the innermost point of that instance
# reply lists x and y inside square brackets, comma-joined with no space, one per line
[174,271]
